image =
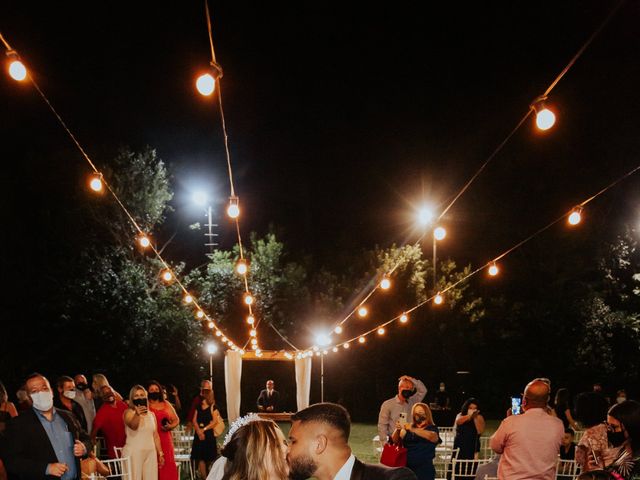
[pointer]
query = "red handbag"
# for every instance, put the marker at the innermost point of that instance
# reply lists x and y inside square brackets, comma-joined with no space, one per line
[394,455]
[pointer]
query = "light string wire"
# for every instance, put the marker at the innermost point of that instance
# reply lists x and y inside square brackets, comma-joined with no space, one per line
[491,262]
[233,196]
[544,95]
[501,145]
[113,193]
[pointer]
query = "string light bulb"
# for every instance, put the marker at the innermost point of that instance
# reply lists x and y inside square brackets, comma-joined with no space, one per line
[381,331]
[211,325]
[167,276]
[439,233]
[17,70]
[253,332]
[95,182]
[187,299]
[251,320]
[334,349]
[200,314]
[248,299]
[346,346]
[233,210]
[493,269]
[254,341]
[438,299]
[362,340]
[575,217]
[242,267]
[218,333]
[404,318]
[206,84]
[144,241]
[338,329]
[545,118]
[385,283]
[362,312]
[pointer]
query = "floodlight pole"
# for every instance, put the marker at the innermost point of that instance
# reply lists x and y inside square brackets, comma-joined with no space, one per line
[322,378]
[210,243]
[211,368]
[435,287]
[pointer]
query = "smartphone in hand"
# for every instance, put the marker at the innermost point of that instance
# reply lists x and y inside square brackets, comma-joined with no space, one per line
[516,405]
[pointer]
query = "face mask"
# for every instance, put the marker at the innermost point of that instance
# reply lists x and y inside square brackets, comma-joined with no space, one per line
[419,418]
[471,411]
[109,399]
[406,393]
[70,394]
[621,399]
[156,396]
[82,386]
[43,401]
[616,438]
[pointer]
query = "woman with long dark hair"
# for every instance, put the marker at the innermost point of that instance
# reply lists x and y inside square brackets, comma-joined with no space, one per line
[623,424]
[166,420]
[562,410]
[205,419]
[469,426]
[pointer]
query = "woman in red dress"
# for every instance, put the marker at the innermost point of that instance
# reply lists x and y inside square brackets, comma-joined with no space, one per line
[167,421]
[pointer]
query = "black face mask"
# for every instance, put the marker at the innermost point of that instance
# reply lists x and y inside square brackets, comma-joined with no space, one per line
[419,418]
[82,386]
[140,402]
[156,396]
[406,393]
[616,438]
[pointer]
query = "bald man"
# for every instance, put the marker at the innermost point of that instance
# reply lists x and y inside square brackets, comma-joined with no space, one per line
[530,442]
[319,447]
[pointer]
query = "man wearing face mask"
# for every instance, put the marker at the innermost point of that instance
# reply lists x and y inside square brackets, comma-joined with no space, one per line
[45,442]
[66,400]
[410,392]
[84,397]
[109,421]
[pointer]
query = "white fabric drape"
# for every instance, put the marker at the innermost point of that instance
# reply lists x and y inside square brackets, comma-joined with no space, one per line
[232,377]
[303,382]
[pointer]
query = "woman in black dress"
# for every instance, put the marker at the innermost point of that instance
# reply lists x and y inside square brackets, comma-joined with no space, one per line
[469,426]
[562,410]
[204,450]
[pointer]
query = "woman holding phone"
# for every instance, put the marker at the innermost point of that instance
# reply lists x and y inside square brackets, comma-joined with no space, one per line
[420,437]
[166,420]
[469,426]
[143,443]
[623,430]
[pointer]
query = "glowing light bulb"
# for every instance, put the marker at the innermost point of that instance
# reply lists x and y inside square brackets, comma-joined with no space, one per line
[200,314]
[188,298]
[438,299]
[404,318]
[251,320]
[334,349]
[338,329]
[545,119]
[211,325]
[248,299]
[362,340]
[254,341]
[254,347]
[167,276]
[346,346]
[439,233]
[95,182]
[493,269]
[362,312]
[206,84]
[242,267]
[17,70]
[144,241]
[385,284]
[253,332]
[381,331]
[425,216]
[233,210]
[575,217]
[242,352]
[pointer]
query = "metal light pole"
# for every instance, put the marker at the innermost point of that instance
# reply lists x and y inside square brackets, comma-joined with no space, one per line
[210,243]
[211,349]
[322,378]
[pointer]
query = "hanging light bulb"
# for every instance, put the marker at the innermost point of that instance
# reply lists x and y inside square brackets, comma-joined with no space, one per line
[167,276]
[545,118]
[334,349]
[17,70]
[211,325]
[144,241]
[200,314]
[254,341]
[233,210]
[493,269]
[253,332]
[381,331]
[404,318]
[438,299]
[218,333]
[346,345]
[385,284]
[362,340]
[206,83]
[338,329]
[362,312]
[575,217]
[187,298]
[95,182]
[242,267]
[248,299]
[254,347]
[251,320]
[439,233]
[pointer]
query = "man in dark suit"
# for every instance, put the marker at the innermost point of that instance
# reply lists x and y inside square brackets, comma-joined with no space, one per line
[319,447]
[44,442]
[269,398]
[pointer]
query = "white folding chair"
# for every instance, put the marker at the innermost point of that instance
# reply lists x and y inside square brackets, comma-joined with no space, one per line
[182,451]
[485,448]
[443,461]
[567,470]
[119,468]
[447,435]
[577,436]
[377,446]
[100,448]
[466,469]
[117,451]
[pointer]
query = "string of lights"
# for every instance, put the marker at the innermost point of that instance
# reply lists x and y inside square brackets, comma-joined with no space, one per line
[98,183]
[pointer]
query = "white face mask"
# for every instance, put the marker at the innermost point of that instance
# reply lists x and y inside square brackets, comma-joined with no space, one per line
[43,401]
[620,399]
[470,411]
[70,394]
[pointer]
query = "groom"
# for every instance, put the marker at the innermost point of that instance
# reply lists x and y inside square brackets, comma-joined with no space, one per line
[319,447]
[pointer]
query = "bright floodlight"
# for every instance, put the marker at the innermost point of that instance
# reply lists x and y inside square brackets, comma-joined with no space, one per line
[211,348]
[323,339]
[17,70]
[545,119]
[338,329]
[575,217]
[439,233]
[95,182]
[200,198]
[425,216]
[206,84]
[362,312]
[385,284]
[493,270]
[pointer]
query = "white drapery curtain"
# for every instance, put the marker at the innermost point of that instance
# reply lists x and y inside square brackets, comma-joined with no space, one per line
[232,377]
[303,382]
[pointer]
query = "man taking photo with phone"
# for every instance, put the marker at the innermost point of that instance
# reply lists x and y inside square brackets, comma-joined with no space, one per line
[410,391]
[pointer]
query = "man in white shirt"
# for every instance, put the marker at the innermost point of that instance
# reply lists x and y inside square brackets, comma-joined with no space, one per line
[410,391]
[319,447]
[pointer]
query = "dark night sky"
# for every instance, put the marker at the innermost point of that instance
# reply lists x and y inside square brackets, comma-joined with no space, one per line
[341,119]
